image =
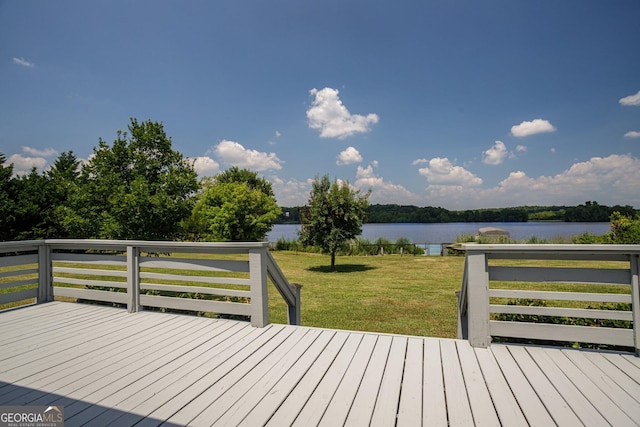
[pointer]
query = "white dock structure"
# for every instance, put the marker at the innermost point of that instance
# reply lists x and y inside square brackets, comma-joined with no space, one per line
[113,366]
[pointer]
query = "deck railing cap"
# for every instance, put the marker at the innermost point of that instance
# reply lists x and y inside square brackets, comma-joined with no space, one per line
[510,247]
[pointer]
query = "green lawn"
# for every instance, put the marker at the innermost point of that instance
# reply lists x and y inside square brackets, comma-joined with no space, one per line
[412,295]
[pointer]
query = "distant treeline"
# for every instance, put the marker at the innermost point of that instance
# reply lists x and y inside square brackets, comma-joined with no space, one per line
[588,212]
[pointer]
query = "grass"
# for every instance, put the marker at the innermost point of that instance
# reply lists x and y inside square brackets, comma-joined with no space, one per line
[410,295]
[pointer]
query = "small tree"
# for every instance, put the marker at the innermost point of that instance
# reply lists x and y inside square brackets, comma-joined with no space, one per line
[334,215]
[236,205]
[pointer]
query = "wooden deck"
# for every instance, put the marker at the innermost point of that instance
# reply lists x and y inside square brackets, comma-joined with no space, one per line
[106,366]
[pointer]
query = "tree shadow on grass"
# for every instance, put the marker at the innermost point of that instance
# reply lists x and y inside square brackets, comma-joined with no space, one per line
[342,268]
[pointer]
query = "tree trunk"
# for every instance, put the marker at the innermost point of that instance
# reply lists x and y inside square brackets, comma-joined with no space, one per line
[333,261]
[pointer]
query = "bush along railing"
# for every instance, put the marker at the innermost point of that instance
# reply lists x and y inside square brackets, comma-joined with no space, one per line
[575,294]
[228,279]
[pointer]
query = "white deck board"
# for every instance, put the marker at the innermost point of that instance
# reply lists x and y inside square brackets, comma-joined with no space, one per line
[434,406]
[410,405]
[107,366]
[605,383]
[458,405]
[558,408]
[587,389]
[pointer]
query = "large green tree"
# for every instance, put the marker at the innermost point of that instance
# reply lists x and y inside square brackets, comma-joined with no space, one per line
[334,215]
[137,188]
[236,205]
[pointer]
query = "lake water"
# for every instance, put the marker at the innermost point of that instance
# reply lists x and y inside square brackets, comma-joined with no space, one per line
[447,232]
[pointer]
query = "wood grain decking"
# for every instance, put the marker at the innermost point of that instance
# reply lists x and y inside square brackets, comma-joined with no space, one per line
[106,366]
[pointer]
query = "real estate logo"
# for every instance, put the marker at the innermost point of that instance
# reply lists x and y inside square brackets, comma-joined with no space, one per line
[31,416]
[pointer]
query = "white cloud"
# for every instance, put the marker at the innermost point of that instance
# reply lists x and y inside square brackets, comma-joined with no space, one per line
[349,156]
[609,180]
[205,166]
[496,154]
[331,117]
[631,100]
[291,192]
[22,165]
[521,148]
[233,153]
[382,191]
[531,128]
[632,134]
[419,162]
[23,62]
[47,152]
[440,171]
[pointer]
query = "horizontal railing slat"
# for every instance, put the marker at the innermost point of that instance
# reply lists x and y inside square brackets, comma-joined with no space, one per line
[570,333]
[90,271]
[21,246]
[19,272]
[90,294]
[196,305]
[550,254]
[560,275]
[16,283]
[86,282]
[200,279]
[196,264]
[10,261]
[18,296]
[196,289]
[562,312]
[560,296]
[105,259]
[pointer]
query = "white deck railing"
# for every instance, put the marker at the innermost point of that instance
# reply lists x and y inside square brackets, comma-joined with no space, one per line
[196,277]
[493,274]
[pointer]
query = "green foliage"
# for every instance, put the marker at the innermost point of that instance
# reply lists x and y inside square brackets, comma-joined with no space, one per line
[625,229]
[236,205]
[587,238]
[334,215]
[32,206]
[250,178]
[138,188]
[7,200]
[594,212]
[589,212]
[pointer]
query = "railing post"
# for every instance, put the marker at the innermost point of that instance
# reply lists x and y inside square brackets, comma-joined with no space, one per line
[463,319]
[293,313]
[133,279]
[478,299]
[258,279]
[635,300]
[45,274]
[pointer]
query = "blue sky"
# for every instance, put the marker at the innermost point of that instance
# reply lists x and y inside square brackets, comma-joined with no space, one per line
[459,104]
